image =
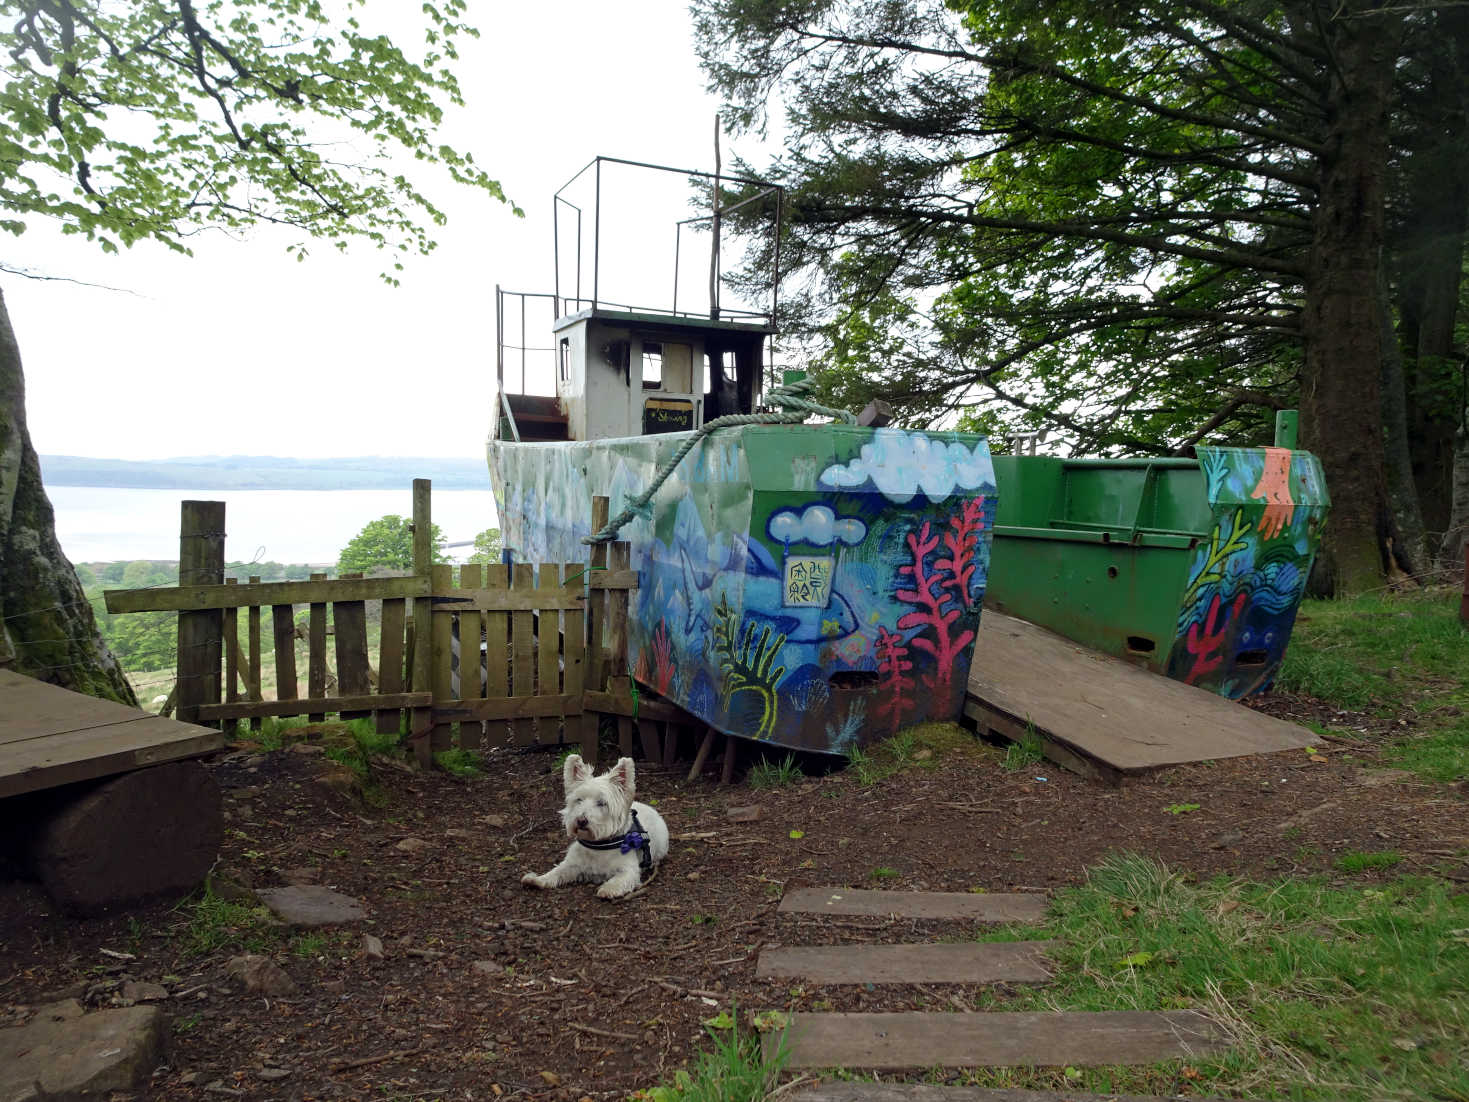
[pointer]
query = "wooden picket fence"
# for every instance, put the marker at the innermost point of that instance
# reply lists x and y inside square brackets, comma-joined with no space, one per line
[509,656]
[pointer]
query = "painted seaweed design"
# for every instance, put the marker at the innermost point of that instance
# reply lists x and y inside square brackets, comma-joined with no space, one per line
[893,664]
[662,658]
[1211,570]
[841,736]
[929,594]
[745,665]
[961,540]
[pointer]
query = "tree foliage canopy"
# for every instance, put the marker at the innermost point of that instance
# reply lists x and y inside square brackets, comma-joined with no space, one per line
[385,544]
[154,119]
[1136,222]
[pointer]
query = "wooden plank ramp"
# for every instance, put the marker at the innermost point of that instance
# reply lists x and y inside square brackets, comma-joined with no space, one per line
[52,736]
[932,1092]
[1102,716]
[974,906]
[963,962]
[919,1039]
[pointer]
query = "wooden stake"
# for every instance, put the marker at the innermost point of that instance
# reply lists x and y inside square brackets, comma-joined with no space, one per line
[726,774]
[703,754]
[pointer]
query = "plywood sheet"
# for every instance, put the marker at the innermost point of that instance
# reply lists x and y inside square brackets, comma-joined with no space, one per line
[924,1040]
[33,709]
[974,906]
[1109,710]
[60,737]
[963,962]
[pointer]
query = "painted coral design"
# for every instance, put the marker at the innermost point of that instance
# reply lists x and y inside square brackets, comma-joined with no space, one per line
[961,540]
[1206,642]
[893,665]
[936,613]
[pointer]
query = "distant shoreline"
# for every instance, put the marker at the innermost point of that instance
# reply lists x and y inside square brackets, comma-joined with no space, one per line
[253,472]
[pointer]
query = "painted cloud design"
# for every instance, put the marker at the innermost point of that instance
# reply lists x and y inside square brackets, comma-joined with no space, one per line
[901,464]
[817,525]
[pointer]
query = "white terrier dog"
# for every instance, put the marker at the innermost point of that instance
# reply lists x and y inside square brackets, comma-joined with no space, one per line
[613,837]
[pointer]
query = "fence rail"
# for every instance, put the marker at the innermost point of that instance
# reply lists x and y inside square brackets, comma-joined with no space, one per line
[517,655]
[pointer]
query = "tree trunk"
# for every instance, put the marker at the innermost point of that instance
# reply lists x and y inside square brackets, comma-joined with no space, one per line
[1436,177]
[1341,408]
[47,629]
[1411,550]
[1458,533]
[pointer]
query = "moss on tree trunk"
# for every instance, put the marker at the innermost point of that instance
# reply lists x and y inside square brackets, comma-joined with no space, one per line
[47,629]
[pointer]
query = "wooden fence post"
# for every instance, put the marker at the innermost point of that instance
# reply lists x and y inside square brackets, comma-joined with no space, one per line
[200,634]
[440,643]
[252,678]
[316,652]
[423,557]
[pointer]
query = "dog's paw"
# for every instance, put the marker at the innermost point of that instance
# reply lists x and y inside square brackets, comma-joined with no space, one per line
[613,890]
[531,880]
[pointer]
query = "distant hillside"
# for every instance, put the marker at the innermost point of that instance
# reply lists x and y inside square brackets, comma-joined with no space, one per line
[265,472]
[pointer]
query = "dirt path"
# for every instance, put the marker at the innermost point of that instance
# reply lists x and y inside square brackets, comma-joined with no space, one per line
[489,990]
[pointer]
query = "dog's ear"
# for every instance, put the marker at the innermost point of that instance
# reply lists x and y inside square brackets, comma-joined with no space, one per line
[624,776]
[574,771]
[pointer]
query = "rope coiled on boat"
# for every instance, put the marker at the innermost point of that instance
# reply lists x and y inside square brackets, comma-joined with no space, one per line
[796,407]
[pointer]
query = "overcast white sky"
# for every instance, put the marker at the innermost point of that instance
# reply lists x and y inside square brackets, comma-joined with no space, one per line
[241,350]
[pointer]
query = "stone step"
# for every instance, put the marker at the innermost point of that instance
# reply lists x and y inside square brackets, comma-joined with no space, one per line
[966,962]
[928,1092]
[974,906]
[968,1040]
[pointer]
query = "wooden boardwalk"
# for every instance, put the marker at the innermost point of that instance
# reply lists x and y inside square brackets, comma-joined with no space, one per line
[51,736]
[1102,716]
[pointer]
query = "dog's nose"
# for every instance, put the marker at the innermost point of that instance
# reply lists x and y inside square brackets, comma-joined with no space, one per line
[582,823]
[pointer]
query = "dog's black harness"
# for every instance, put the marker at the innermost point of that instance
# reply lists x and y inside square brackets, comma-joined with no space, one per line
[634,839]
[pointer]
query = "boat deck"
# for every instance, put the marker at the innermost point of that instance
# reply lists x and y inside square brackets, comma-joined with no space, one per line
[51,736]
[1102,716]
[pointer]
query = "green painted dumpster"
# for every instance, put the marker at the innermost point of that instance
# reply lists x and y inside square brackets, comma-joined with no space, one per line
[1192,567]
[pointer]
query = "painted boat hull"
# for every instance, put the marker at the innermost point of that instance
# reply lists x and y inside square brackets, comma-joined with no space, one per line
[813,586]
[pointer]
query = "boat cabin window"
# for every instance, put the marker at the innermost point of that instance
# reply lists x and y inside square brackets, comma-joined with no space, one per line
[565,359]
[652,366]
[668,367]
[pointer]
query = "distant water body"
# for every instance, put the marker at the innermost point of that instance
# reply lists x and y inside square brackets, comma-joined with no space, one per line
[103,524]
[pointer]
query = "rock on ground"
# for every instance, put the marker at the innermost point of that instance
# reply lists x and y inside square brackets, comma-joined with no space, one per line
[110,1050]
[311,905]
[261,975]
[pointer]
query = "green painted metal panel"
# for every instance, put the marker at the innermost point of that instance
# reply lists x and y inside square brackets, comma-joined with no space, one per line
[1193,568]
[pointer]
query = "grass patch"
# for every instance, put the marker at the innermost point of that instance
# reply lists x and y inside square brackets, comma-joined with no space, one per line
[884,872]
[1026,751]
[216,924]
[735,1070]
[1391,655]
[1362,862]
[919,747]
[1328,992]
[309,946]
[461,763]
[767,773]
